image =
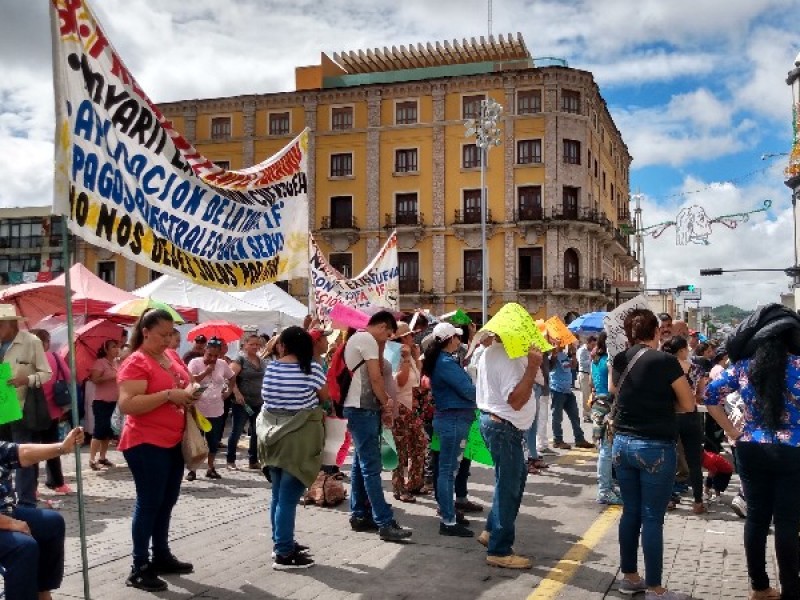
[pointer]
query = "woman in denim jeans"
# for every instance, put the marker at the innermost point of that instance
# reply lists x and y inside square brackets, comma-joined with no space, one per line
[653,390]
[599,413]
[768,444]
[454,399]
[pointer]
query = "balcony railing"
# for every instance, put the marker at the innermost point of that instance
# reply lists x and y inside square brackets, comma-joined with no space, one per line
[530,213]
[472,284]
[472,216]
[411,285]
[534,282]
[622,239]
[584,284]
[339,223]
[405,219]
[623,214]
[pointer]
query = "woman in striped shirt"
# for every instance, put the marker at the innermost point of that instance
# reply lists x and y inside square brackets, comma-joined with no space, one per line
[291,437]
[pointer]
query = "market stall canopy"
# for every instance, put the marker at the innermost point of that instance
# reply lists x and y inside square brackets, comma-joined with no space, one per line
[266,307]
[90,294]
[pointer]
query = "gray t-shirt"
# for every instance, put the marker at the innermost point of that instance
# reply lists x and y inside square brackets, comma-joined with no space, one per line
[361,347]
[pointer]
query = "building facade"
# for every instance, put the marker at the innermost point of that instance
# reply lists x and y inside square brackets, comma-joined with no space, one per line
[31,250]
[388,148]
[388,151]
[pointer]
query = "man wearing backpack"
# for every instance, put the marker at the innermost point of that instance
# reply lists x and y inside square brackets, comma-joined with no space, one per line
[367,408]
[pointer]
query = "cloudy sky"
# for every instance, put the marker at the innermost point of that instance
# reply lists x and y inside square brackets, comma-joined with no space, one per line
[697,89]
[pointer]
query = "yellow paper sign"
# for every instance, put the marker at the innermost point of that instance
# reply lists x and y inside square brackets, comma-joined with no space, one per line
[558,330]
[517,330]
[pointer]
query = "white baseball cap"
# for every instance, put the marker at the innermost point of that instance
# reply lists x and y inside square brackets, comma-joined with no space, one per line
[444,331]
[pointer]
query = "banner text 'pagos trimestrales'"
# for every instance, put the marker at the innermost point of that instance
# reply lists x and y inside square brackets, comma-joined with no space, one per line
[130,183]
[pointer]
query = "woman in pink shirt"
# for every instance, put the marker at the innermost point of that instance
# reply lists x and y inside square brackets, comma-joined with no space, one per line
[215,378]
[104,377]
[55,477]
[154,390]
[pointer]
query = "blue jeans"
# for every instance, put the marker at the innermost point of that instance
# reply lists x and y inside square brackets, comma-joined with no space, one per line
[240,417]
[504,442]
[286,493]
[604,469]
[452,427]
[365,476]
[25,478]
[646,472]
[157,474]
[530,434]
[565,402]
[33,563]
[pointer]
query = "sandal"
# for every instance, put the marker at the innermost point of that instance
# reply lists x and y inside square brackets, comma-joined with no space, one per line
[105,462]
[540,464]
[767,594]
[94,466]
[212,474]
[404,497]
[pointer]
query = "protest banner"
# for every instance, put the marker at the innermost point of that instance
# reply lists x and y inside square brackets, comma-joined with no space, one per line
[517,330]
[129,182]
[614,324]
[377,285]
[558,330]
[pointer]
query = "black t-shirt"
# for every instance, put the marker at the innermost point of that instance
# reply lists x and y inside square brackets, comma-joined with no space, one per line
[646,402]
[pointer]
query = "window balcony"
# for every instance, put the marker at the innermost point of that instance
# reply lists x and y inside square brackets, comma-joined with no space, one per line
[529,213]
[411,286]
[335,222]
[471,216]
[340,232]
[534,283]
[467,226]
[404,219]
[575,284]
[472,283]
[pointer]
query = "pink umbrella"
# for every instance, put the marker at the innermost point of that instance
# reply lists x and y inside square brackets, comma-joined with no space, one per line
[35,301]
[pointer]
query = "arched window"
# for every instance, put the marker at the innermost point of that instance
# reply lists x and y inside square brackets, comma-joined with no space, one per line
[571,281]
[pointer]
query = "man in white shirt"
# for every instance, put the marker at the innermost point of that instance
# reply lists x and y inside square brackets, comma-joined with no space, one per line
[366,408]
[506,401]
[29,368]
[585,375]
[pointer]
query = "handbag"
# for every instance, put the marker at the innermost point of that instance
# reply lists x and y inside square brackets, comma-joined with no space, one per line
[610,429]
[193,444]
[61,395]
[35,414]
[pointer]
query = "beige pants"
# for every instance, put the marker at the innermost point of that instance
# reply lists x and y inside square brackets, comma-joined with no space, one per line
[585,386]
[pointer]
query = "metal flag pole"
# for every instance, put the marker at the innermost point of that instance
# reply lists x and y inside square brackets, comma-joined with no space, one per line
[73,392]
[65,258]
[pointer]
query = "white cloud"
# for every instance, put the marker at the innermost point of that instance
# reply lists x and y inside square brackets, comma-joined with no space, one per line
[765,242]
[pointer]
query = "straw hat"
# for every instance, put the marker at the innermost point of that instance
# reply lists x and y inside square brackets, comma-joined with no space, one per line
[9,313]
[402,330]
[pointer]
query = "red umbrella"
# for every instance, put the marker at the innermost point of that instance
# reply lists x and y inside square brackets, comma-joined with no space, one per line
[227,332]
[88,340]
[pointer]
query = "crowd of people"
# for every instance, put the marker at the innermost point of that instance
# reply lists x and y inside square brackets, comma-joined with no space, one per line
[647,406]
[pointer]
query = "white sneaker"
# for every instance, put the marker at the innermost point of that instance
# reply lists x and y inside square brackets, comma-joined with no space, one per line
[739,506]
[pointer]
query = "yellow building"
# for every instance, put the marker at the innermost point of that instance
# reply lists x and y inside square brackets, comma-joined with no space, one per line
[389,151]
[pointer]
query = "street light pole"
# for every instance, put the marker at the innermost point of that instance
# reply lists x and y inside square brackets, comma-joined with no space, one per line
[487,134]
[792,172]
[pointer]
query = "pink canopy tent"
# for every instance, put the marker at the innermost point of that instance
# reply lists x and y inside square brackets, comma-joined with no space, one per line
[90,294]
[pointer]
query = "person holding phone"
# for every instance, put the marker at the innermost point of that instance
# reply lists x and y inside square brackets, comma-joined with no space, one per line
[215,378]
[154,391]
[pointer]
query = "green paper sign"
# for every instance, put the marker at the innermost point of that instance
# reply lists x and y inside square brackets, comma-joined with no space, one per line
[460,318]
[475,448]
[10,410]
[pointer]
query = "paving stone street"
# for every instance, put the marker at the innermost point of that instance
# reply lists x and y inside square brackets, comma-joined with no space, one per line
[223,528]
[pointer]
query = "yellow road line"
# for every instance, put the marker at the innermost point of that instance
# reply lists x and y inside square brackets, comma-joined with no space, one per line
[566,568]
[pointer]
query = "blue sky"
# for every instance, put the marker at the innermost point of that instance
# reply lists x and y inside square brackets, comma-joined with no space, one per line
[696,88]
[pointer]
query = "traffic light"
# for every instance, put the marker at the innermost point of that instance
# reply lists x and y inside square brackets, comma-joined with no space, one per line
[685,288]
[710,272]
